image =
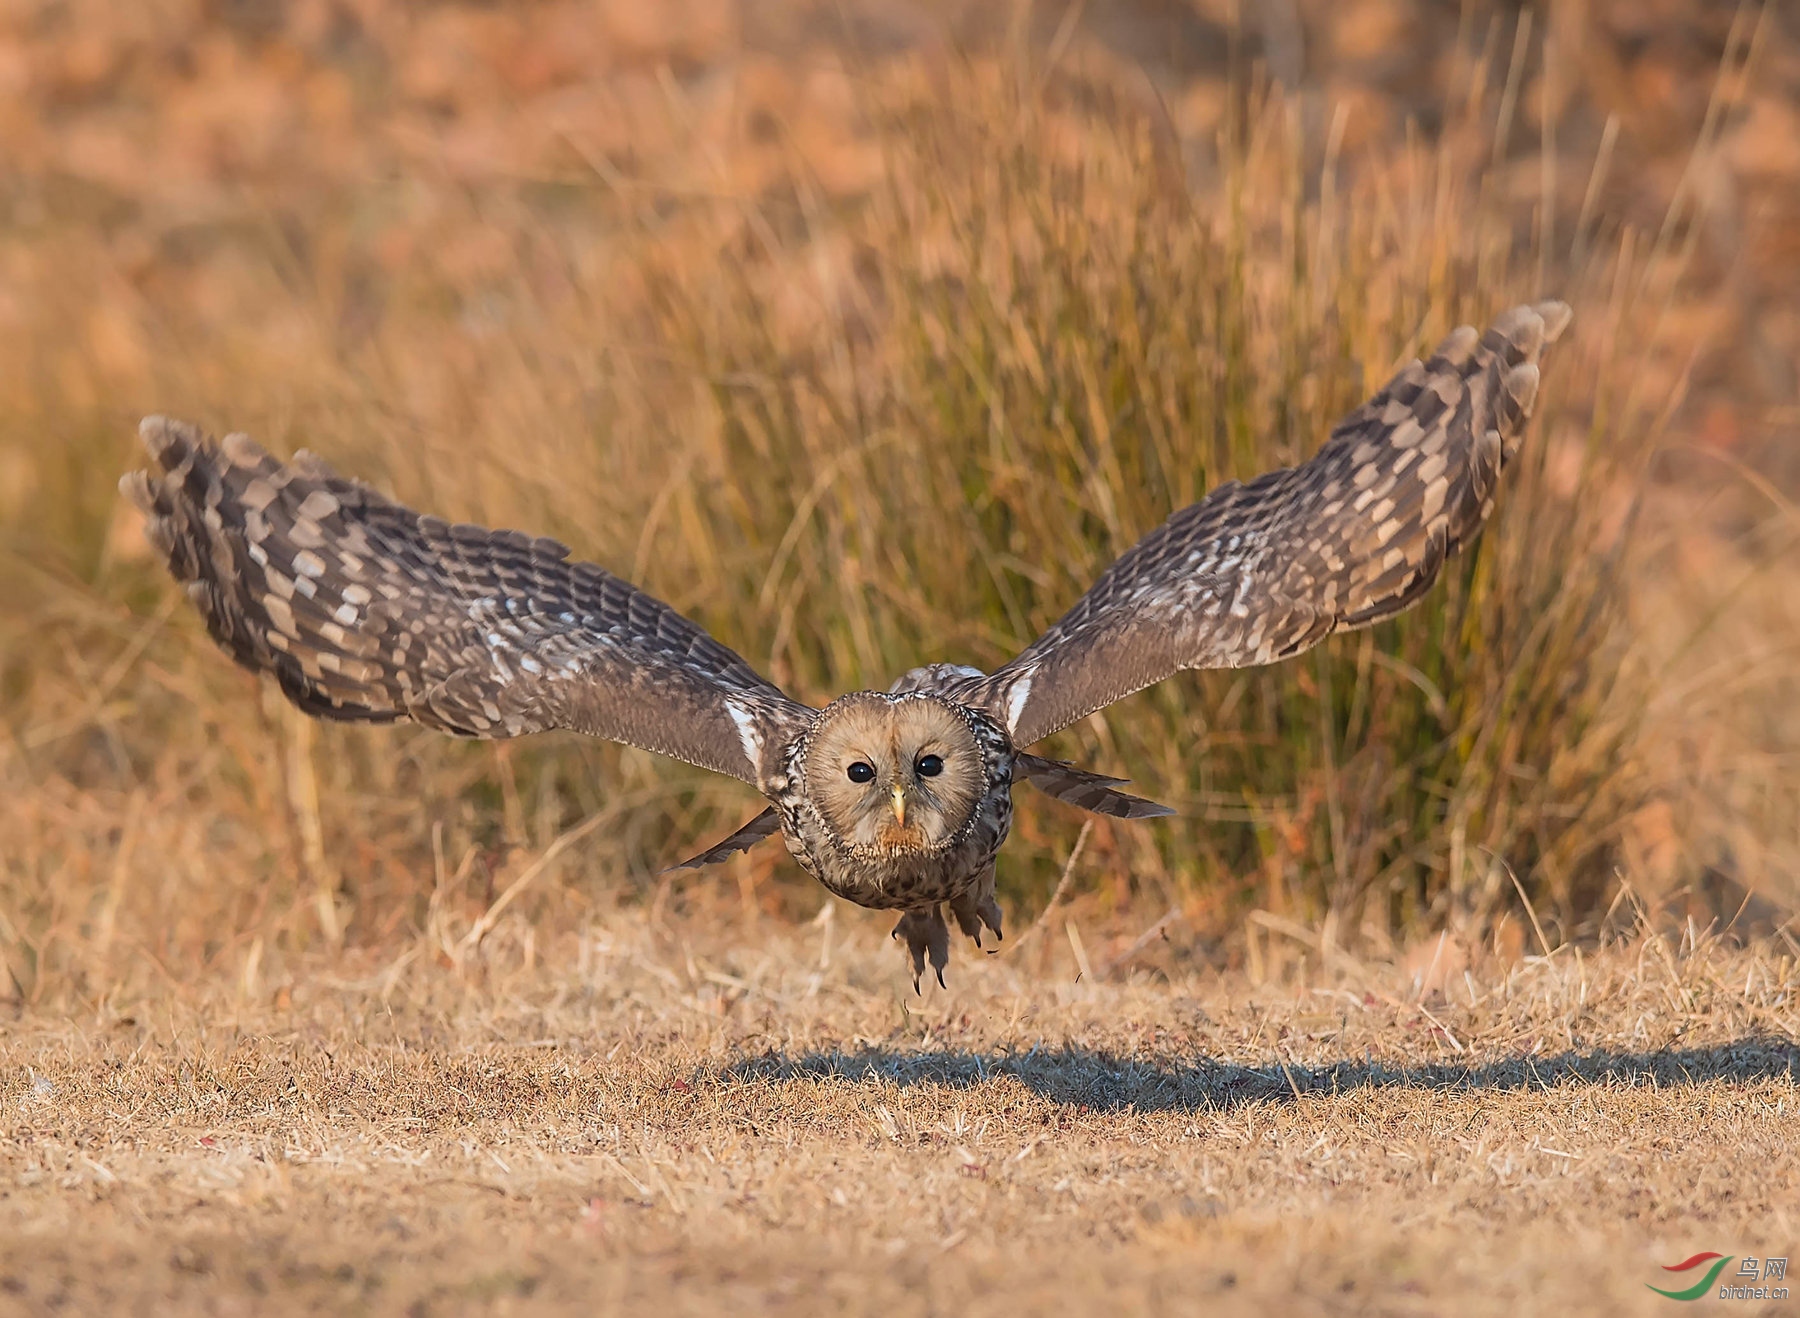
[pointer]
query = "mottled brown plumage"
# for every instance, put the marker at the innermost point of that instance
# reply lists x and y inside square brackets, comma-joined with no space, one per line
[363,609]
[1256,572]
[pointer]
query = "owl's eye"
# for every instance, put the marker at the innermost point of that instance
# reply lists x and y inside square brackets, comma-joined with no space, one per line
[860,772]
[929,766]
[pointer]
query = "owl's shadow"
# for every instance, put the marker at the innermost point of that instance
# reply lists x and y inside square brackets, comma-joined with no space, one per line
[1102,1081]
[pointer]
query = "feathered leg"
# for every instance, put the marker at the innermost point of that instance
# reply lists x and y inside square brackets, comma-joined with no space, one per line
[977,907]
[926,934]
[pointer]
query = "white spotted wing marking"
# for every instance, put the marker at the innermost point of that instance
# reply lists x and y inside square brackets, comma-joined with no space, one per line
[748,731]
[1015,701]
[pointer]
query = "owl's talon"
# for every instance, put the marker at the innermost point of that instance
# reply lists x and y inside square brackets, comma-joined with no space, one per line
[927,941]
[989,911]
[976,907]
[915,928]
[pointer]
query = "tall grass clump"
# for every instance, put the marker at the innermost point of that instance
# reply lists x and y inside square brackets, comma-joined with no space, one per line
[850,434]
[1067,348]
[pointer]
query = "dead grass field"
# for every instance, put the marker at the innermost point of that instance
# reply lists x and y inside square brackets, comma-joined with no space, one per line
[653,1118]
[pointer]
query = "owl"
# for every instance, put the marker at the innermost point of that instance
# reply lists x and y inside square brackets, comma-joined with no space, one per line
[362,609]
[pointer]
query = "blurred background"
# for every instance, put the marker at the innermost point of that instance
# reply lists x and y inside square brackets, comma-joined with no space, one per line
[867,334]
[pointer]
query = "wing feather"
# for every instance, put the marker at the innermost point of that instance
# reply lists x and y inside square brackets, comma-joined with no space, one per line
[1096,792]
[1256,572]
[767,824]
[363,609]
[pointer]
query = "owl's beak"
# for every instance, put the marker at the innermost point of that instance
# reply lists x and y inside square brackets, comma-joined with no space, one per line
[899,799]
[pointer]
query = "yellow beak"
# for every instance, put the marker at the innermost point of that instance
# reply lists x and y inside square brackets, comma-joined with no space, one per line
[900,805]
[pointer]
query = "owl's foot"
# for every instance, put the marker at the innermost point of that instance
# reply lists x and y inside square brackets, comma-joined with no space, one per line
[926,934]
[975,909]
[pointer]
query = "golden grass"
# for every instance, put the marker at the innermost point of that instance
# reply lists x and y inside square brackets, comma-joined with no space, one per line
[652,1117]
[852,430]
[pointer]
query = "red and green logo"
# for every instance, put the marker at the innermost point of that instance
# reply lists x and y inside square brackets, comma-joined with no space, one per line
[1700,1287]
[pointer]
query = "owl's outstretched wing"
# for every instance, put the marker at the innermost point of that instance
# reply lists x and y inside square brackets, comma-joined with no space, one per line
[1260,571]
[365,610]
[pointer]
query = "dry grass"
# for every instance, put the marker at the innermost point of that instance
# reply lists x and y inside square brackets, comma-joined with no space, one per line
[652,1118]
[866,353]
[852,419]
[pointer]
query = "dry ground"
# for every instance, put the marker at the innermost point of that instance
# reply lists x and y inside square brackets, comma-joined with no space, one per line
[647,1117]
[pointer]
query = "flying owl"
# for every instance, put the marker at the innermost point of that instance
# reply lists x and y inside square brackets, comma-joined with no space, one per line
[898,800]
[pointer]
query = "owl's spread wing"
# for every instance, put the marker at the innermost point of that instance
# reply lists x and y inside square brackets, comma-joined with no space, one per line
[1254,573]
[365,610]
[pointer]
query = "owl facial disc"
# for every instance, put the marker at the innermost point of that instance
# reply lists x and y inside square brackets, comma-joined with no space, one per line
[897,775]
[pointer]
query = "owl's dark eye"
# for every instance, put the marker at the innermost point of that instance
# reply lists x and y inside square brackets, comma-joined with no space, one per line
[929,766]
[860,772]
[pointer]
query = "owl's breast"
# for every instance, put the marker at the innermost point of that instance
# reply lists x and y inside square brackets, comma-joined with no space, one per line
[901,879]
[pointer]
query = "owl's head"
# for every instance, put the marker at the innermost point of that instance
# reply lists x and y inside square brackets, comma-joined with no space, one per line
[895,774]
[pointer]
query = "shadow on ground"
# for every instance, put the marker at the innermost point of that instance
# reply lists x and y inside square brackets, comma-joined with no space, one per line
[1107,1082]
